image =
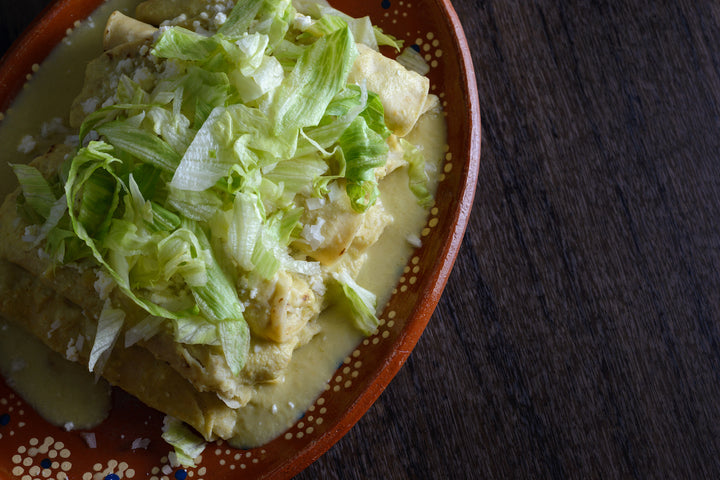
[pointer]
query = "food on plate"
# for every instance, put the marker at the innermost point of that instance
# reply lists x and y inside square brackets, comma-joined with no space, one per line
[235,166]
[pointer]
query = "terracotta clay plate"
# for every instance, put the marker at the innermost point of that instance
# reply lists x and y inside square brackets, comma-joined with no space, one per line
[31,448]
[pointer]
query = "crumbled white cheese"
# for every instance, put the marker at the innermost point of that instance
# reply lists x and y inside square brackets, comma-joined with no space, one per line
[313,233]
[170,69]
[317,285]
[103,285]
[30,234]
[54,326]
[302,22]
[125,65]
[69,426]
[313,203]
[141,74]
[89,105]
[27,144]
[51,127]
[220,19]
[140,443]
[71,353]
[89,438]
[414,240]
[113,82]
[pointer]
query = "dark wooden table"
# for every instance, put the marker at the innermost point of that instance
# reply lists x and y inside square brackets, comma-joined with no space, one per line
[579,334]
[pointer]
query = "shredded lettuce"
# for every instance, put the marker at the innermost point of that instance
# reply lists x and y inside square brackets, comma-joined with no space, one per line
[50,228]
[329,19]
[36,190]
[135,258]
[140,143]
[320,73]
[184,44]
[418,177]
[413,60]
[187,444]
[108,331]
[364,150]
[143,330]
[383,38]
[361,302]
[241,17]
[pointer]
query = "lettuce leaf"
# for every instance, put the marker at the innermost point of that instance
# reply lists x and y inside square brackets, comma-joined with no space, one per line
[37,192]
[187,444]
[108,331]
[418,176]
[361,302]
[320,73]
[364,150]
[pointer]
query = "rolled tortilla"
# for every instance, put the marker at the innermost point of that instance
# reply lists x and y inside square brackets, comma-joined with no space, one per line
[403,93]
[121,29]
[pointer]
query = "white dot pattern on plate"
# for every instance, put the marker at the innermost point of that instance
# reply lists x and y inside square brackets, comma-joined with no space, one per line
[111,470]
[35,459]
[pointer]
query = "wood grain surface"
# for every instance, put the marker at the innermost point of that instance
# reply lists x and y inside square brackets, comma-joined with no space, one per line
[579,334]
